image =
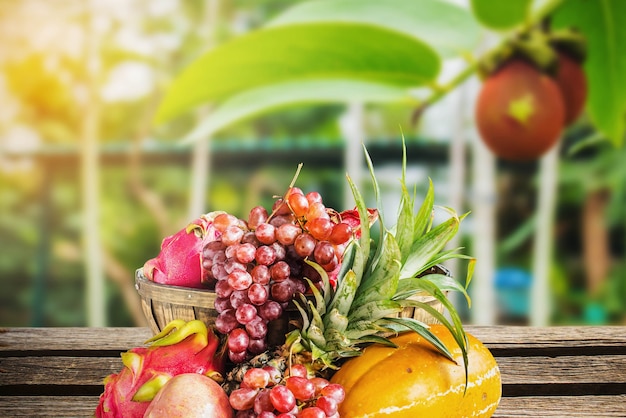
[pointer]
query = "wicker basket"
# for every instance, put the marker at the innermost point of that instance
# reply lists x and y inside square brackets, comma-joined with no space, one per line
[162,304]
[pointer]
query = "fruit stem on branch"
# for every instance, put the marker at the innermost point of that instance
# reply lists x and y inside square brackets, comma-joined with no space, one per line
[544,11]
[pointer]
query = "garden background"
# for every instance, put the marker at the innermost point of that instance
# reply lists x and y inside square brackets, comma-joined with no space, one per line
[100,158]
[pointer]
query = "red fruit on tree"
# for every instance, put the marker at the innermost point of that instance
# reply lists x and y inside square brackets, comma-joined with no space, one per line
[573,85]
[520,112]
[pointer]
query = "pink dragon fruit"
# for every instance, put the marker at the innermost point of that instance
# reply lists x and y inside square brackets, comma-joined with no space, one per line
[182,347]
[180,261]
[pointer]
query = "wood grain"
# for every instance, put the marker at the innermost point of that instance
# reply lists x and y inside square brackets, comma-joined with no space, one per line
[546,372]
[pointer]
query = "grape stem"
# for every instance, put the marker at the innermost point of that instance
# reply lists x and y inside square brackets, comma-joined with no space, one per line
[295,176]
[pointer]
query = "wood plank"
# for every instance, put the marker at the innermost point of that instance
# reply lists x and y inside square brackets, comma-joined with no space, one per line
[495,338]
[536,406]
[563,370]
[562,406]
[57,370]
[509,337]
[48,406]
[75,339]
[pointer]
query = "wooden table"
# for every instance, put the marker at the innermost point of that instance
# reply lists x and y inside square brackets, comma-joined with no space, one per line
[546,372]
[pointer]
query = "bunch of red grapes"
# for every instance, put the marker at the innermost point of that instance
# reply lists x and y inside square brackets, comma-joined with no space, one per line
[259,265]
[265,393]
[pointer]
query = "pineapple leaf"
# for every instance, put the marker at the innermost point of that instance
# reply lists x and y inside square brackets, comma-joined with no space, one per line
[382,283]
[316,318]
[438,316]
[456,329]
[443,256]
[361,256]
[314,334]
[379,205]
[370,339]
[336,340]
[424,216]
[423,331]
[320,304]
[404,228]
[325,281]
[334,321]
[375,310]
[470,272]
[346,290]
[406,287]
[347,260]
[427,247]
[303,313]
[362,328]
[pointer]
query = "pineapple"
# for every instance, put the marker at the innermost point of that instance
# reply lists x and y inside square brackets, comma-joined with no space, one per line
[374,284]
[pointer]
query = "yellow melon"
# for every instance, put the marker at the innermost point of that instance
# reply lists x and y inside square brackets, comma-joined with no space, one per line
[415,380]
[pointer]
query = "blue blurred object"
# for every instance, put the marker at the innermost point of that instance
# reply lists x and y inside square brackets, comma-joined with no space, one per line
[595,314]
[512,291]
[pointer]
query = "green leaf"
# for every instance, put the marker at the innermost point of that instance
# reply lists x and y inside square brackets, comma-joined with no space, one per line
[429,246]
[375,310]
[404,229]
[501,15]
[382,283]
[406,287]
[423,331]
[324,51]
[449,29]
[603,23]
[424,216]
[265,99]
[362,254]
[347,261]
[346,290]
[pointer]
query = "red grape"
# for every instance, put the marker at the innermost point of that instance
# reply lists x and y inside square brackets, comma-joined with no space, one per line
[256,378]
[257,216]
[312,412]
[341,233]
[232,235]
[282,398]
[260,274]
[245,253]
[286,233]
[314,197]
[270,310]
[239,280]
[245,313]
[301,387]
[320,228]
[299,204]
[223,221]
[304,245]
[242,398]
[265,255]
[324,252]
[238,340]
[257,328]
[335,391]
[257,293]
[327,404]
[266,233]
[280,271]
